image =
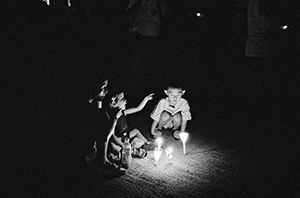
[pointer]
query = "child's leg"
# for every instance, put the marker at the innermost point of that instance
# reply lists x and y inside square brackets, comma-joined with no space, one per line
[164,118]
[177,119]
[136,133]
[113,145]
[114,148]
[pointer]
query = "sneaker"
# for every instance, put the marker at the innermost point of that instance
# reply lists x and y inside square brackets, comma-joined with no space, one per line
[176,135]
[139,152]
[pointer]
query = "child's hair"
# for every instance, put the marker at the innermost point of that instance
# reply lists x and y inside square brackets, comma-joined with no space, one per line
[109,103]
[174,85]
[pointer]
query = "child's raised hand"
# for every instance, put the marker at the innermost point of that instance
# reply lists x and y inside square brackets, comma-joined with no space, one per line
[149,97]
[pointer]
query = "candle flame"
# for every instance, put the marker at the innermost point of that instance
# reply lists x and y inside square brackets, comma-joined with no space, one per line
[169,152]
[158,140]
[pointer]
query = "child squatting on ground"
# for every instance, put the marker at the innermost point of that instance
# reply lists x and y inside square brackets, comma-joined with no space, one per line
[171,112]
[122,130]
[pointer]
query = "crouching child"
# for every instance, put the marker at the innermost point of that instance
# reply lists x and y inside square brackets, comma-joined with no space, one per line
[171,112]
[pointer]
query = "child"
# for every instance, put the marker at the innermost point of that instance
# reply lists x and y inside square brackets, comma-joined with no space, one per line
[100,131]
[118,108]
[171,112]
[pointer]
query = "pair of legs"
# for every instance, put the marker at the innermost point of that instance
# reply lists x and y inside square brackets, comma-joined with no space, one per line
[169,121]
[137,139]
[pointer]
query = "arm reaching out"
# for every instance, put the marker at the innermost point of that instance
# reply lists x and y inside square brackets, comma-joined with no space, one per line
[141,105]
[153,126]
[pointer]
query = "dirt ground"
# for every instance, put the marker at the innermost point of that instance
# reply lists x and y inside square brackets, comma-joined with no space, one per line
[216,164]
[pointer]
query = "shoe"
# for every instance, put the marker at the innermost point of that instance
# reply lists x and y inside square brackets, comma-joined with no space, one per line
[176,135]
[139,152]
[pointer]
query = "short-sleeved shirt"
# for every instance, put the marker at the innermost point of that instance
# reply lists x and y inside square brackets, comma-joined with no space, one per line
[181,106]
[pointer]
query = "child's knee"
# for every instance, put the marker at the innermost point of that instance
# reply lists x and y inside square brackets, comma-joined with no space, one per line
[177,118]
[164,116]
[113,148]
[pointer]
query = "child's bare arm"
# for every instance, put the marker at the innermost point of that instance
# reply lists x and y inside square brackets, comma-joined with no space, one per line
[141,105]
[153,126]
[183,125]
[112,130]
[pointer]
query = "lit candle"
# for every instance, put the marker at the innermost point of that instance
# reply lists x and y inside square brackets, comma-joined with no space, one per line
[183,137]
[169,153]
[159,142]
[157,154]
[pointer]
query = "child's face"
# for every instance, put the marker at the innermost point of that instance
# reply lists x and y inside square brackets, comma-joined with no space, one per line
[174,95]
[120,101]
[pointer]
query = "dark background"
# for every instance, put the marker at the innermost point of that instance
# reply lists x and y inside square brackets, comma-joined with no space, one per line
[54,57]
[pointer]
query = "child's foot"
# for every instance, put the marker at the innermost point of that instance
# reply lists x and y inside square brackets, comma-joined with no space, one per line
[157,133]
[114,158]
[148,142]
[176,135]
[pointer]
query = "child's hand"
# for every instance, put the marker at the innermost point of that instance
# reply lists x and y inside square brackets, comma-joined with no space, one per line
[149,97]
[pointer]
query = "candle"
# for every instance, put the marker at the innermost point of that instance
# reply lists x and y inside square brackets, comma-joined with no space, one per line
[159,142]
[183,136]
[169,153]
[157,154]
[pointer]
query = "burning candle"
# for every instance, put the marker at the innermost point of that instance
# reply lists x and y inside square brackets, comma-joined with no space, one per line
[157,154]
[169,153]
[159,142]
[183,136]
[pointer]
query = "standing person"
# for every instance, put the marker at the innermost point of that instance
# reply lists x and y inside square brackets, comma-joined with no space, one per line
[146,18]
[263,17]
[260,43]
[171,112]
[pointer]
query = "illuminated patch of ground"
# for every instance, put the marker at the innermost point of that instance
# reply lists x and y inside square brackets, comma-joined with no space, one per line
[206,170]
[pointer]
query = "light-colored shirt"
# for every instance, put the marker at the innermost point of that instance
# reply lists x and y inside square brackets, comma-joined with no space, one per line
[181,106]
